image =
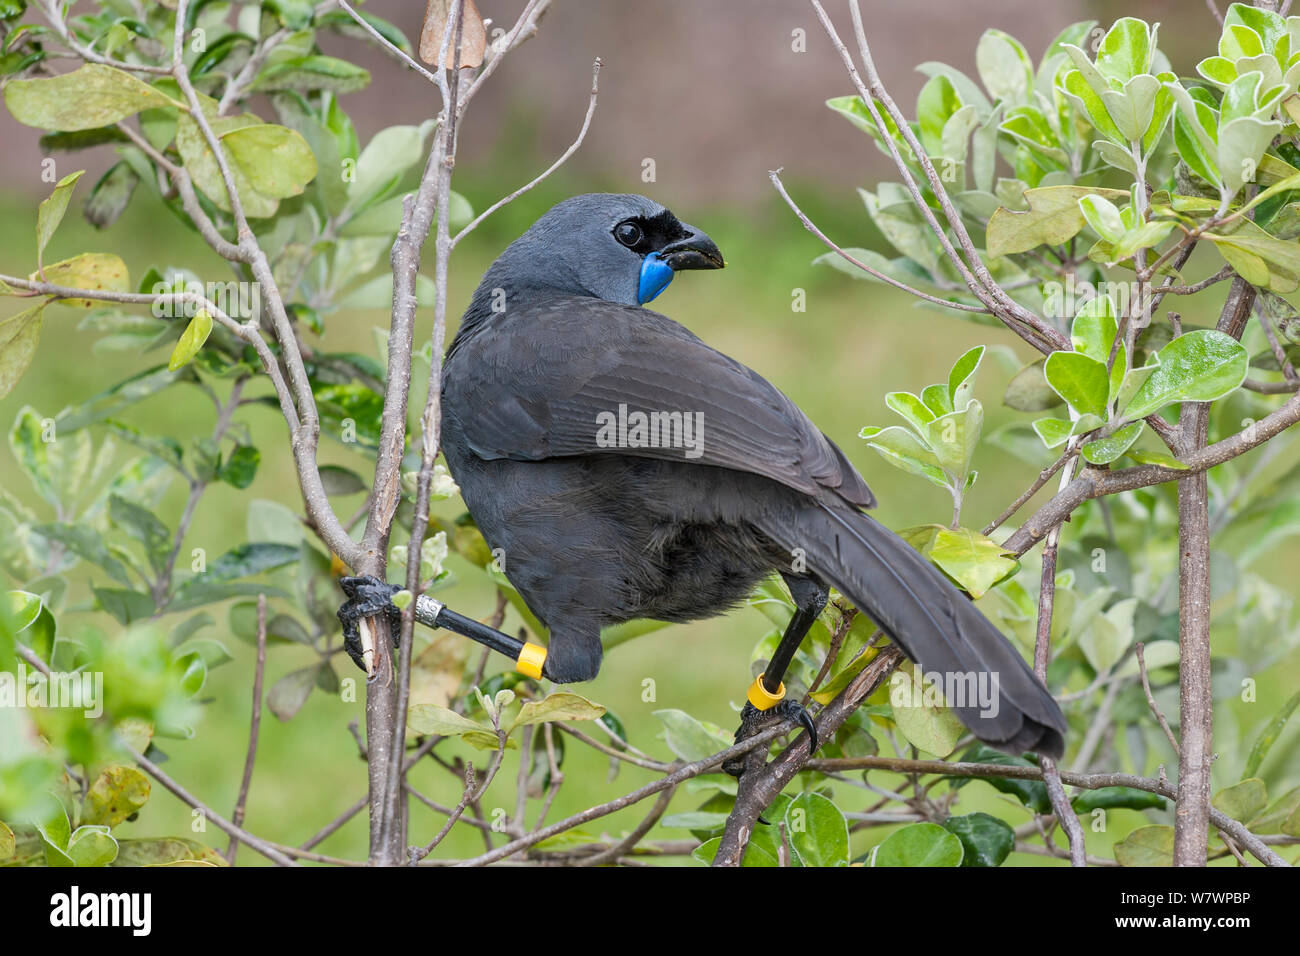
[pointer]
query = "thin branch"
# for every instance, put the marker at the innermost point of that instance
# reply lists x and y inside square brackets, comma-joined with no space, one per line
[633,838]
[237,818]
[1094,482]
[1042,653]
[50,10]
[397,54]
[524,29]
[1151,700]
[1043,478]
[254,842]
[775,176]
[573,148]
[678,776]
[1085,781]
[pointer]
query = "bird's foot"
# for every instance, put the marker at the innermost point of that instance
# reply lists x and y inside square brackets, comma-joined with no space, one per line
[753,720]
[368,596]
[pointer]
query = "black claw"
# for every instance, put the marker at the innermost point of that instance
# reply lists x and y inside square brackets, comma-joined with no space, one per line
[806,722]
[368,596]
[752,720]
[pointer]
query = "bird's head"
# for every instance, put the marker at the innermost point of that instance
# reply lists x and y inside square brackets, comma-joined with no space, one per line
[618,247]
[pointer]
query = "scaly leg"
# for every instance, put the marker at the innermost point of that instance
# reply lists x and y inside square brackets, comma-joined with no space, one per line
[767,694]
[369,597]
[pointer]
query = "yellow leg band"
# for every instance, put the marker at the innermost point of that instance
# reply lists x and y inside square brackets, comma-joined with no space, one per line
[531,659]
[761,697]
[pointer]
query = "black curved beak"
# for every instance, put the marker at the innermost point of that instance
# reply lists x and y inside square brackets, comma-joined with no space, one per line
[696,251]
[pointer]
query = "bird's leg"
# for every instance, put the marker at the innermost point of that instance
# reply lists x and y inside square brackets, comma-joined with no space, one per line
[767,702]
[369,597]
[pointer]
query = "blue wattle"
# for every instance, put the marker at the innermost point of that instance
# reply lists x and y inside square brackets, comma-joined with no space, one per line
[655,276]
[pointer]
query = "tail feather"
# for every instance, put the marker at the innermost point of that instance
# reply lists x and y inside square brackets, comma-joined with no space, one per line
[934,623]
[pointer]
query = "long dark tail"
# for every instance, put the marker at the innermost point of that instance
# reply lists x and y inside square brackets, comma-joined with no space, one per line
[934,623]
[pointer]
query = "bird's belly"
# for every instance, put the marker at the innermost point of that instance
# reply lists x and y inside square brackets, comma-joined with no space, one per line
[614,538]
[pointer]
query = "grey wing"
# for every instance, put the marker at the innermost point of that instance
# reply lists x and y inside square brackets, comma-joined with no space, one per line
[591,357]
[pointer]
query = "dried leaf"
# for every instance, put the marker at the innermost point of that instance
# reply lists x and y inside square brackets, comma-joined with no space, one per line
[473,37]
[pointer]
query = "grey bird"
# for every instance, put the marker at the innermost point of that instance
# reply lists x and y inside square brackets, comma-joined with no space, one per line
[557,364]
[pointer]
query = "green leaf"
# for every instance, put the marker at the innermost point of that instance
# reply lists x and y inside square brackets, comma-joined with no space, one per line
[92,271]
[430,719]
[1155,458]
[1272,730]
[1103,216]
[144,526]
[191,340]
[341,481]
[1110,798]
[1198,366]
[927,725]
[1093,330]
[910,408]
[251,558]
[87,98]
[1004,67]
[1031,793]
[19,336]
[1147,846]
[342,22]
[240,468]
[111,194]
[116,794]
[1028,390]
[1102,451]
[1242,801]
[985,840]
[309,74]
[919,844]
[1109,635]
[961,379]
[291,691]
[51,211]
[1054,217]
[124,604]
[755,855]
[690,739]
[1080,380]
[975,562]
[1127,49]
[387,157]
[1260,258]
[817,830]
[558,706]
[88,544]
[954,437]
[904,449]
[92,846]
[275,160]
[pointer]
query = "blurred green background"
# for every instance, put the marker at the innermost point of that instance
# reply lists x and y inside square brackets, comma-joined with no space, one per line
[855,342]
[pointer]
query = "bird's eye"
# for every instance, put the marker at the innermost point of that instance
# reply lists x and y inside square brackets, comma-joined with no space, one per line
[628,233]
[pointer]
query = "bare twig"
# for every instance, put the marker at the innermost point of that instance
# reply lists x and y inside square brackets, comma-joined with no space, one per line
[409,62]
[237,818]
[1085,781]
[775,176]
[573,148]
[1151,701]
[254,842]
